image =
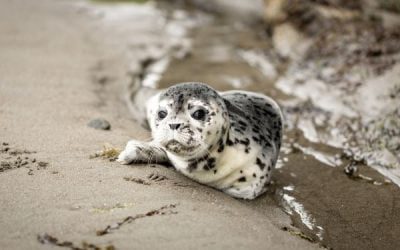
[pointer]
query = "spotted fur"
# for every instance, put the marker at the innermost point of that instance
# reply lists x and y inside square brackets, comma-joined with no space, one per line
[233,148]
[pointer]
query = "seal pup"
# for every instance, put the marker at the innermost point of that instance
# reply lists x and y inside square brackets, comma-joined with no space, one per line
[228,140]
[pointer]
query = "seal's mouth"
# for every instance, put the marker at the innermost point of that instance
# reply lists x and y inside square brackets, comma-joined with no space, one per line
[177,147]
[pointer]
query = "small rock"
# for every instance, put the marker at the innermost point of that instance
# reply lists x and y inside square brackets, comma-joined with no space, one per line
[351,169]
[100,123]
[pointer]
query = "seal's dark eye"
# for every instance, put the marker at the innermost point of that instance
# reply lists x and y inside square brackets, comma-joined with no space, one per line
[162,114]
[199,114]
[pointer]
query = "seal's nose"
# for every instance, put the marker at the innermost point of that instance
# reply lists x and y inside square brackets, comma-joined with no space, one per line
[174,126]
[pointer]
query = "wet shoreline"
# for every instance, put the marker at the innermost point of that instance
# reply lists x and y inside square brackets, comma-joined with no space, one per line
[67,63]
[310,183]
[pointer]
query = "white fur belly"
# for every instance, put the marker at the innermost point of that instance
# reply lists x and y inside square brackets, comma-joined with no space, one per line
[234,164]
[231,165]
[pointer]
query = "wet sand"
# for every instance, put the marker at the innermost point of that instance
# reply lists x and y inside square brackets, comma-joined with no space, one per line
[60,70]
[328,206]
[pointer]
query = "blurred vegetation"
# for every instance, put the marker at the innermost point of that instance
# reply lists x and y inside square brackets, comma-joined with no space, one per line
[390,5]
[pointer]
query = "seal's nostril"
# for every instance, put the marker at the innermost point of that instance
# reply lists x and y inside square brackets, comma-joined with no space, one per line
[175,125]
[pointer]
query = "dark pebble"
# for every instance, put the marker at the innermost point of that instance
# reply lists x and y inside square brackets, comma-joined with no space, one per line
[351,169]
[100,124]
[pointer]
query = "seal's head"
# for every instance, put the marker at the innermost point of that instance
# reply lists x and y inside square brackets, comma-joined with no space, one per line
[189,119]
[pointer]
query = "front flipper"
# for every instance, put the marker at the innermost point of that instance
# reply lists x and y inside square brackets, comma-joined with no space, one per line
[142,152]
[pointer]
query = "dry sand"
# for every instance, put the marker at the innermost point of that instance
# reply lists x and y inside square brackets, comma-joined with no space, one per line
[50,55]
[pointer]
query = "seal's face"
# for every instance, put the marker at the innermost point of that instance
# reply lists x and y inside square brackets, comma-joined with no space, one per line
[189,120]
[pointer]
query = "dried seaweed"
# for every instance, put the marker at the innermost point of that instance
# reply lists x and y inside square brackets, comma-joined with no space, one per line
[164,210]
[12,158]
[351,171]
[298,234]
[51,240]
[108,152]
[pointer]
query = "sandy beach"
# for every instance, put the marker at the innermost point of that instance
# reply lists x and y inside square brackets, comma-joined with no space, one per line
[69,66]
[50,58]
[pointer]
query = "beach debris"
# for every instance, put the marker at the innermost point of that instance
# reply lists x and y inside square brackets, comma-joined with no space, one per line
[51,240]
[5,165]
[351,170]
[164,210]
[108,152]
[13,158]
[297,233]
[99,123]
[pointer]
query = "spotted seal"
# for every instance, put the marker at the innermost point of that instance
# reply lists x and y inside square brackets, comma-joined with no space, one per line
[226,140]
